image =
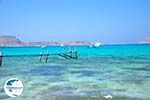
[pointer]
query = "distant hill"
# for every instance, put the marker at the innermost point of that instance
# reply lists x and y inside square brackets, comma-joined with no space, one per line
[77,43]
[14,41]
[9,40]
[145,41]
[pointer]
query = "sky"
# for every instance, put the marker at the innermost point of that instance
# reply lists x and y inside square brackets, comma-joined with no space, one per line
[107,21]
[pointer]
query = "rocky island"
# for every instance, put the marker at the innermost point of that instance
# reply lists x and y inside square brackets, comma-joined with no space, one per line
[9,41]
[145,41]
[14,41]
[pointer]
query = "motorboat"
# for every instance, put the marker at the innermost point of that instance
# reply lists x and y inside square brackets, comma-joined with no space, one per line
[97,44]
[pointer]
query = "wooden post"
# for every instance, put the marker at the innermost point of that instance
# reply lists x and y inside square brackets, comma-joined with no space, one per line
[71,54]
[47,57]
[76,55]
[40,57]
[1,58]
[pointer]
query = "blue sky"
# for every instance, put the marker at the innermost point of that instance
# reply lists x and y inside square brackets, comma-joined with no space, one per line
[108,21]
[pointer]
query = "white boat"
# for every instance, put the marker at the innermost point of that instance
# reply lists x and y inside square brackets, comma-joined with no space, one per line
[91,46]
[62,45]
[43,46]
[97,44]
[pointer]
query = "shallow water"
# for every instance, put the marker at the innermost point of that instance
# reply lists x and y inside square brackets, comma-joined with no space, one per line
[122,71]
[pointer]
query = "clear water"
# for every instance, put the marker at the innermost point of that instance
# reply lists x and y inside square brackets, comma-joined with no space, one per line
[122,71]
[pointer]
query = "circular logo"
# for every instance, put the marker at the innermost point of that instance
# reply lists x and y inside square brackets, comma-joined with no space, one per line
[13,87]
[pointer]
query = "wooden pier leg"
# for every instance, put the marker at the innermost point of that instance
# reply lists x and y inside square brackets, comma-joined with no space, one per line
[40,57]
[71,55]
[1,58]
[76,55]
[46,57]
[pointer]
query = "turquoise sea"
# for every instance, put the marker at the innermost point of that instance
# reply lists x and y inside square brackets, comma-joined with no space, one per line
[121,71]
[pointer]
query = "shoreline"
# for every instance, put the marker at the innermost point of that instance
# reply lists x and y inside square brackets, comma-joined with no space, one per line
[13,41]
[71,45]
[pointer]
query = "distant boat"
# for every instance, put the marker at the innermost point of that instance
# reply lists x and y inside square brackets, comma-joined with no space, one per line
[43,46]
[62,45]
[97,44]
[91,46]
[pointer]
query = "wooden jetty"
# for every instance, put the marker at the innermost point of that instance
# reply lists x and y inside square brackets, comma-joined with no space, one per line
[70,55]
[66,55]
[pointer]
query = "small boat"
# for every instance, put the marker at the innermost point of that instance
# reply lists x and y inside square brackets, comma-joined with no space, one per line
[108,97]
[90,46]
[43,46]
[97,44]
[62,45]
